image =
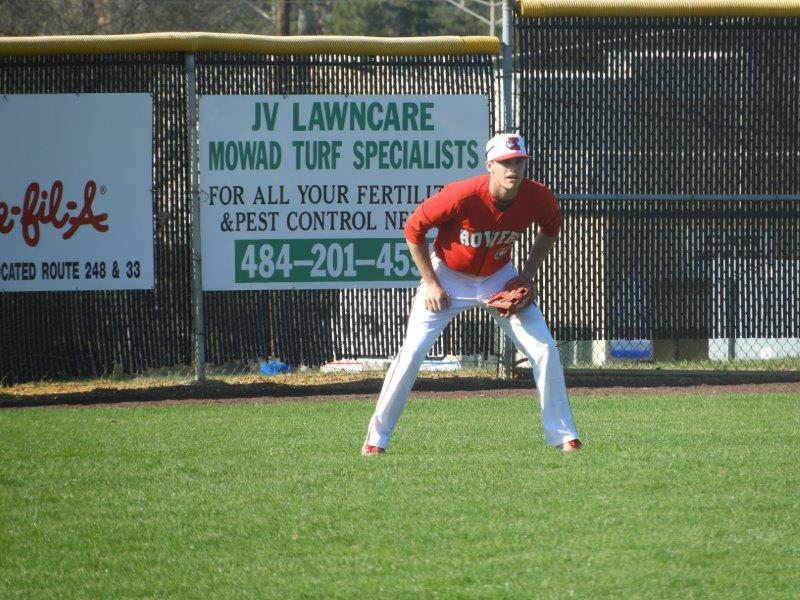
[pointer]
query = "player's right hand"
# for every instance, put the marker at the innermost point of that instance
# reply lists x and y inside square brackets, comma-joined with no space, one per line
[436,298]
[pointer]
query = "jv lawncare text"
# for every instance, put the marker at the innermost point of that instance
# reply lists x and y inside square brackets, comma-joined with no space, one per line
[325,154]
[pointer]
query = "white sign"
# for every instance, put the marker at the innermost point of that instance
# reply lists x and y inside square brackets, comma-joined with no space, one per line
[76,204]
[313,191]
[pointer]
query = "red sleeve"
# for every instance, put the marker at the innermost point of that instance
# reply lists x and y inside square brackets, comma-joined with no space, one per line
[551,219]
[431,213]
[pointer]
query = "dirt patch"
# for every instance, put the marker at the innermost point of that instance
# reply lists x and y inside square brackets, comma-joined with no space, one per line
[584,383]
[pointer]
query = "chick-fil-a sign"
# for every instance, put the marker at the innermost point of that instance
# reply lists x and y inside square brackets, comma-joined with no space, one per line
[76,206]
[41,207]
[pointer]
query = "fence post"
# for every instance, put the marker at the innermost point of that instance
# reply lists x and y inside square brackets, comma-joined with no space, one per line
[506,362]
[197,273]
[508,66]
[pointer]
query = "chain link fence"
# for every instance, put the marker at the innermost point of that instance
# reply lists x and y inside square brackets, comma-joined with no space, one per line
[85,334]
[672,145]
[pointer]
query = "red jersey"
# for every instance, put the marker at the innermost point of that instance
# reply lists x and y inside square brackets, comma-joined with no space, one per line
[474,236]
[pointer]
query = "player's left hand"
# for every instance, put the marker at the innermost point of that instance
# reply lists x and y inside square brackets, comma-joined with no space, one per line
[518,293]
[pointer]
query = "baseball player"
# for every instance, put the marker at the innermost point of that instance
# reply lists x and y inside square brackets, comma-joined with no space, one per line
[478,221]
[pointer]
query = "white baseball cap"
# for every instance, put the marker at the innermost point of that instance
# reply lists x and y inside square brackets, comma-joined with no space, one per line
[506,145]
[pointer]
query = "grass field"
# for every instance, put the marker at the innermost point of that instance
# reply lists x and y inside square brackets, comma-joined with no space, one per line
[673,497]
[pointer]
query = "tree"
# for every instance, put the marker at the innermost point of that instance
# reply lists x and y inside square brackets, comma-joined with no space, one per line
[399,18]
[88,17]
[51,17]
[223,16]
[309,16]
[283,17]
[488,12]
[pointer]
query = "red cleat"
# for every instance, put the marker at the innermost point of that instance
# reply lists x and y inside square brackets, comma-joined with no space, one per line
[570,446]
[368,450]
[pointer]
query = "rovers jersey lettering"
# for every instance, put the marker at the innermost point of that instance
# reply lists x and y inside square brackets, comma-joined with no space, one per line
[487,239]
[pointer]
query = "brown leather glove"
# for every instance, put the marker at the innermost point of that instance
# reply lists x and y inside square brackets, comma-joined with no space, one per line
[517,294]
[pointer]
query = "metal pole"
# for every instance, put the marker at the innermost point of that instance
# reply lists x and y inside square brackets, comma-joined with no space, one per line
[506,363]
[508,66]
[732,315]
[197,273]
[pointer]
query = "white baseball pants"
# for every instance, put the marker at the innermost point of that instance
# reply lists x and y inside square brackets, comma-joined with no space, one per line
[527,329]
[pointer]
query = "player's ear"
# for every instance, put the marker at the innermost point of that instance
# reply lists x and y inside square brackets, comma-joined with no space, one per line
[489,165]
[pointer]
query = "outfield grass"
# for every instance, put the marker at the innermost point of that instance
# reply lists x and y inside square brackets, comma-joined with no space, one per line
[672,497]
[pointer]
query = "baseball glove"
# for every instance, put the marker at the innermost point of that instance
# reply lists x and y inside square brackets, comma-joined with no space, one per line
[517,294]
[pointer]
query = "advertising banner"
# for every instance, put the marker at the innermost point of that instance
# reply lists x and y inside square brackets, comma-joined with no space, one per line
[313,191]
[76,205]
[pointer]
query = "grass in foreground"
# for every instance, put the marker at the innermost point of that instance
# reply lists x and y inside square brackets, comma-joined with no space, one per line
[673,497]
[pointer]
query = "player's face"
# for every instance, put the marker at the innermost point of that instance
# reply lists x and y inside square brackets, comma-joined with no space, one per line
[507,174]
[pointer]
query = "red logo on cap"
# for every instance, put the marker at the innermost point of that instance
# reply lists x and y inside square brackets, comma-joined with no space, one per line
[512,143]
